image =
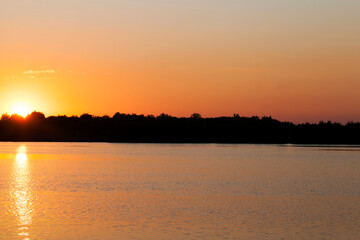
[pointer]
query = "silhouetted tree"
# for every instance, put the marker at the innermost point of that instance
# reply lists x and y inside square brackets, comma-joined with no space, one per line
[196,116]
[86,116]
[5,117]
[36,116]
[16,117]
[105,117]
[118,115]
[164,116]
[165,128]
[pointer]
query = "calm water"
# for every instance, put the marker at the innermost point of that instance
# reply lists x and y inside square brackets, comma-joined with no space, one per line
[144,191]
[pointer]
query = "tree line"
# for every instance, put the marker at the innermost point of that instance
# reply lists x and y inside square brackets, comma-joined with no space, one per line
[165,128]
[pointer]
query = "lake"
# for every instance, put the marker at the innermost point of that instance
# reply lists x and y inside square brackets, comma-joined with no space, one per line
[178,191]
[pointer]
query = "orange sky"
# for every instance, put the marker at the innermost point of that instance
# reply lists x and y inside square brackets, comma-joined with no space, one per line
[295,60]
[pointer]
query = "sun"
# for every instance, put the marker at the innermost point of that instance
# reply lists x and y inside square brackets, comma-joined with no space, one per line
[21,109]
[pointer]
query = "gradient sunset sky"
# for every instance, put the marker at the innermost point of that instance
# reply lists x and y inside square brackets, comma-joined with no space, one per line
[294,60]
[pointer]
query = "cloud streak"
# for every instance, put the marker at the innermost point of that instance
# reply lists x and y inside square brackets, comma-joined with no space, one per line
[40,71]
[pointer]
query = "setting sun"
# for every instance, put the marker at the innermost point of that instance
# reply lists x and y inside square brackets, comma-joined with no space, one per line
[21,109]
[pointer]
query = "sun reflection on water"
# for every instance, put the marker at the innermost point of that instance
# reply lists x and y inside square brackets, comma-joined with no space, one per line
[21,192]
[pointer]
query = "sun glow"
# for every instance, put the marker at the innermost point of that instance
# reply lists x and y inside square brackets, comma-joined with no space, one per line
[21,109]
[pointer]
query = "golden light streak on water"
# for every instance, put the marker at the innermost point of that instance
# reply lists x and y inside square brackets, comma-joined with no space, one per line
[21,192]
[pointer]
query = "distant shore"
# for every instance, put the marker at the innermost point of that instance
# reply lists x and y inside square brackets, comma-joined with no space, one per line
[132,128]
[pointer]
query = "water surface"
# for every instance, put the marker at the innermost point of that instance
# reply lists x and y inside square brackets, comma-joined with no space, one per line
[164,191]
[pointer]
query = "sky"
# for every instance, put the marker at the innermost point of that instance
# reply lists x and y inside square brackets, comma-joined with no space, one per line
[293,60]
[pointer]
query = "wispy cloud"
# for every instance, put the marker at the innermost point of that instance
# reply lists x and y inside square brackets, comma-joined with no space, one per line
[39,72]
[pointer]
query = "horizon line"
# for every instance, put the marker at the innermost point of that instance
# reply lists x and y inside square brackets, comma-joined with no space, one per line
[192,116]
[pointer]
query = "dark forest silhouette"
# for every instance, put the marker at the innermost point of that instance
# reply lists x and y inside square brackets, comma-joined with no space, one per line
[168,129]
